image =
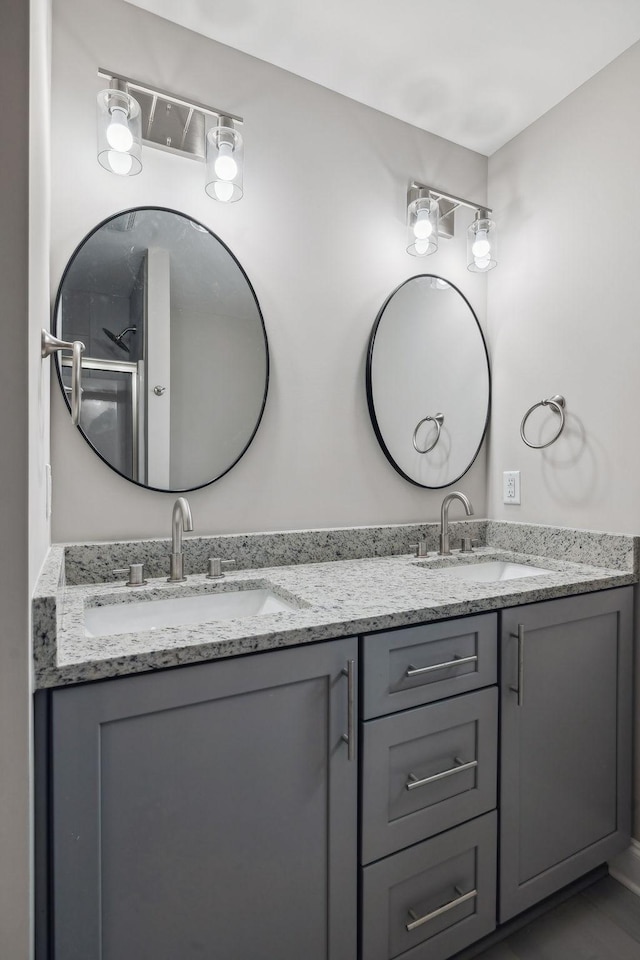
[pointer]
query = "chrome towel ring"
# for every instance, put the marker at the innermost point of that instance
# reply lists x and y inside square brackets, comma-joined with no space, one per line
[438,420]
[557,404]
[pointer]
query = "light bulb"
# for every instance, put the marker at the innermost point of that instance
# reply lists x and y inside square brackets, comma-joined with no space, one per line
[120,163]
[482,263]
[422,228]
[225,167]
[421,247]
[223,191]
[481,246]
[119,137]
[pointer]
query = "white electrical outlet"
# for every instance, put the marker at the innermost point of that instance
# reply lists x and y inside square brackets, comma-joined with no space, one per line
[511,486]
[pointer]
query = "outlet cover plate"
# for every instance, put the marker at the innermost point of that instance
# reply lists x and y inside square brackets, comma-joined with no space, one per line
[511,486]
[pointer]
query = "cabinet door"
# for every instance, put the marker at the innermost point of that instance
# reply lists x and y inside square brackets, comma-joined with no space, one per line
[565,735]
[208,811]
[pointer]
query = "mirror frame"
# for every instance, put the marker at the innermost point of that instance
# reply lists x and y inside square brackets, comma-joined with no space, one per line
[369,385]
[54,326]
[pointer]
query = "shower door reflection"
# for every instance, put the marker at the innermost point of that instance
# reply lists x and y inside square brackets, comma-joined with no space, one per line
[111,413]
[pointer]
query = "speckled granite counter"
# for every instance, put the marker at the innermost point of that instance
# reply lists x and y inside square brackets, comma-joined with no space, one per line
[332,598]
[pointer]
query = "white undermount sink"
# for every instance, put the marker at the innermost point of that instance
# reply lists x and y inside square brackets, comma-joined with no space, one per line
[491,570]
[114,618]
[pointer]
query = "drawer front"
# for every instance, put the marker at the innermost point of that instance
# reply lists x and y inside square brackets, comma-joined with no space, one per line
[426,770]
[415,665]
[435,898]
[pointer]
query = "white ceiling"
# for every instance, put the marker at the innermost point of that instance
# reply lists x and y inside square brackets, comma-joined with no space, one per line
[473,72]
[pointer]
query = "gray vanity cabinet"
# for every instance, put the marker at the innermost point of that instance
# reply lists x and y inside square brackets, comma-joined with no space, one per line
[565,742]
[209,811]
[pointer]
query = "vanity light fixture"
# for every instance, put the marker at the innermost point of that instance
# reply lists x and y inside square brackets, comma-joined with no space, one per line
[131,113]
[481,242]
[224,161]
[430,215]
[423,213]
[119,131]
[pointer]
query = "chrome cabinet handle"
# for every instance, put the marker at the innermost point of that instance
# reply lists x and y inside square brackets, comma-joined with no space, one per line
[414,782]
[519,636]
[349,737]
[457,662]
[418,921]
[50,345]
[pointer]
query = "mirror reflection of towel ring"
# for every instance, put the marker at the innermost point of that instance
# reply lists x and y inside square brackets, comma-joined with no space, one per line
[438,420]
[557,404]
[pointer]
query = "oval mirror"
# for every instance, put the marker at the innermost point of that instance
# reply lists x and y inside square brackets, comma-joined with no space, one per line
[176,363]
[428,381]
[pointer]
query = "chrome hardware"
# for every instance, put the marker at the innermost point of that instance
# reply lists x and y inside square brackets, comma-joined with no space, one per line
[159,391]
[445,549]
[136,575]
[438,420]
[460,767]
[50,345]
[466,545]
[519,636]
[215,565]
[179,130]
[350,737]
[457,662]
[181,520]
[420,548]
[418,921]
[557,404]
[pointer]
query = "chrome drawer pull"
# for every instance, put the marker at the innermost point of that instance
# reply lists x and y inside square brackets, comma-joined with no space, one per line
[350,736]
[418,921]
[519,636]
[457,662]
[413,781]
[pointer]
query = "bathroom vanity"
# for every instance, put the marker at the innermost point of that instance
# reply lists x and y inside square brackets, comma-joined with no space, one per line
[394,784]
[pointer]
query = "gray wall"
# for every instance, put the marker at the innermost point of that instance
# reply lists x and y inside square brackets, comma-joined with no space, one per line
[24,70]
[563,309]
[321,234]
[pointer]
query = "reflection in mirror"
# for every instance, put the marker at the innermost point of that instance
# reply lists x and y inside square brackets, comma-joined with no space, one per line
[428,381]
[176,365]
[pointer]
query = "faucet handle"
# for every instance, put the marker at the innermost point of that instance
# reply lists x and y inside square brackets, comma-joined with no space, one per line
[215,565]
[135,572]
[468,543]
[420,548]
[136,575]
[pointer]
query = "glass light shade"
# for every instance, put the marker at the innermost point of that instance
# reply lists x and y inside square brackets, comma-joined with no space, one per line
[422,215]
[119,133]
[225,155]
[481,245]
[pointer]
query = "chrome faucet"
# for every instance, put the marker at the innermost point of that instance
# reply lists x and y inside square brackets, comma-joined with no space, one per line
[444,519]
[180,521]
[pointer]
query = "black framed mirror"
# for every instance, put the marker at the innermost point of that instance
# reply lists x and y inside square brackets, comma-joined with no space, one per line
[175,371]
[428,381]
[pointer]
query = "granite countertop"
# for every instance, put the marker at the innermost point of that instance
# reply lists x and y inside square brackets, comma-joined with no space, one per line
[331,599]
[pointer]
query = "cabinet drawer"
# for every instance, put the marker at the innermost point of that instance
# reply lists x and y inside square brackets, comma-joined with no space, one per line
[426,770]
[435,898]
[415,665]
